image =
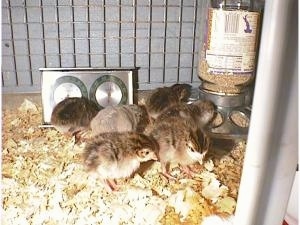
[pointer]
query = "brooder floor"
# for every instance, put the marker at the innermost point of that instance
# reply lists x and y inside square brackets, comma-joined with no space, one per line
[44,182]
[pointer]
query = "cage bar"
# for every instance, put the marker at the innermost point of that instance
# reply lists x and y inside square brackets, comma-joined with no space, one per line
[179,40]
[58,32]
[28,43]
[89,31]
[194,38]
[149,37]
[43,33]
[120,29]
[109,40]
[12,42]
[165,39]
[134,31]
[73,27]
[104,33]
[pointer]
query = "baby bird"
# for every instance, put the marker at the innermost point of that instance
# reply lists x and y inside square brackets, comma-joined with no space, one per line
[178,144]
[120,118]
[198,114]
[118,155]
[72,116]
[164,97]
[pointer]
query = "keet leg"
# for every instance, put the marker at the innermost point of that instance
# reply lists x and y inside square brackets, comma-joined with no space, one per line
[188,171]
[106,185]
[113,185]
[165,169]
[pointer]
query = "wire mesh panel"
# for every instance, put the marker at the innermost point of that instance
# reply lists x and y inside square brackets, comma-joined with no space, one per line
[159,37]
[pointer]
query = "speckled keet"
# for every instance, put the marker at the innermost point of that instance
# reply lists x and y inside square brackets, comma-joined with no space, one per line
[198,114]
[164,97]
[178,144]
[72,116]
[120,118]
[118,155]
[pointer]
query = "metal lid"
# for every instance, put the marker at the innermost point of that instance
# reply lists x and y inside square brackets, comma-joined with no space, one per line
[226,100]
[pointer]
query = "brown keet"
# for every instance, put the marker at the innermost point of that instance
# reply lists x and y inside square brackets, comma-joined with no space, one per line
[164,97]
[178,144]
[72,116]
[197,114]
[118,155]
[120,118]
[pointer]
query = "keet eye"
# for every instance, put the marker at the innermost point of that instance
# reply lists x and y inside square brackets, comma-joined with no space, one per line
[191,149]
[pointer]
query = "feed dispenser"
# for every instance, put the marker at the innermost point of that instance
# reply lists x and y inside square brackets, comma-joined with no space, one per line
[227,63]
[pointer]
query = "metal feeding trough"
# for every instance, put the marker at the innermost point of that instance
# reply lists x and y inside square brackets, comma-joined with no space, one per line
[233,114]
[103,86]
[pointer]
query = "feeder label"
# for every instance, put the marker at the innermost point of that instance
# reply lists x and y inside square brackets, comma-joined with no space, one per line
[231,41]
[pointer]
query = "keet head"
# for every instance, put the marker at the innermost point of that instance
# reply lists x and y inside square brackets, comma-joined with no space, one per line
[206,110]
[183,91]
[194,153]
[197,146]
[146,154]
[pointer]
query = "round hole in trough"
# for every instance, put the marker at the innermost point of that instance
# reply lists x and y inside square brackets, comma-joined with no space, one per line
[218,120]
[239,118]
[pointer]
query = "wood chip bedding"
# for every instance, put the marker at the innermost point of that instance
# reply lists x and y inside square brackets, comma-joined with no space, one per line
[44,182]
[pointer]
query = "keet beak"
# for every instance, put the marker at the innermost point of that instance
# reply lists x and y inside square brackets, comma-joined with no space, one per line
[155,157]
